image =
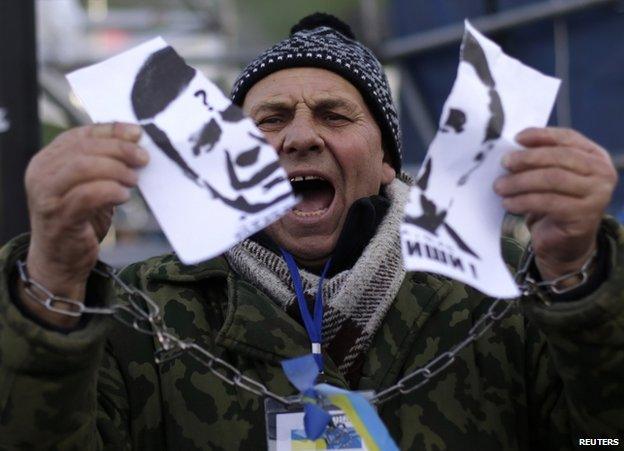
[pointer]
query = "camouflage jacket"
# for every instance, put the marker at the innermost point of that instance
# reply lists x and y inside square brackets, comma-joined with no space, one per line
[542,378]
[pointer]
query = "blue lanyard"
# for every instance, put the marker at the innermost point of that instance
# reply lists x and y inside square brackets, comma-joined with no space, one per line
[313,323]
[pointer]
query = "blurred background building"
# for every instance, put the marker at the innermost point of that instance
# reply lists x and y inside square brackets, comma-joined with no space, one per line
[418,40]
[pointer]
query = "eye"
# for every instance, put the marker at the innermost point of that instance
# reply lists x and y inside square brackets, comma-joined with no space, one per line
[270,122]
[335,118]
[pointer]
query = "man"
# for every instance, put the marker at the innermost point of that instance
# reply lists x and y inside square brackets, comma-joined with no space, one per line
[82,383]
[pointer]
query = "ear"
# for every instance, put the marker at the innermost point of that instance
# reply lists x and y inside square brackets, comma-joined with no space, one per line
[387,173]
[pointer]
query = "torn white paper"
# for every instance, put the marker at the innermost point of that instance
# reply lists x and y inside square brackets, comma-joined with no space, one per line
[212,179]
[453,219]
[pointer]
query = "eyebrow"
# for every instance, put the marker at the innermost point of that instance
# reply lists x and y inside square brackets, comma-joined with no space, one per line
[269,105]
[332,103]
[322,104]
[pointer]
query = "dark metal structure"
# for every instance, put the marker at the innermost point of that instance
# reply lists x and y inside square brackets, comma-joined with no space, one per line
[410,45]
[19,119]
[571,39]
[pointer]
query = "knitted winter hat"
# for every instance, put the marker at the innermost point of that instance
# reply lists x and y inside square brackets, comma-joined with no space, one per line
[324,41]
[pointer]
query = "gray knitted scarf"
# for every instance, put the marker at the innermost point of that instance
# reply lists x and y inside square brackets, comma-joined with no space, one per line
[355,300]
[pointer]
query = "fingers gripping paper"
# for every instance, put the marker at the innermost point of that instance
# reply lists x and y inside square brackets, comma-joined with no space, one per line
[453,218]
[212,179]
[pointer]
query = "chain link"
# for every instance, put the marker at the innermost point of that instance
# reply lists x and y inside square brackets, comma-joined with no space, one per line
[142,314]
[423,375]
[557,285]
[497,310]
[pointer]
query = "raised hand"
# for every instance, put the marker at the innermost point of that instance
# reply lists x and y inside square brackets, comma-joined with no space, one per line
[72,186]
[562,183]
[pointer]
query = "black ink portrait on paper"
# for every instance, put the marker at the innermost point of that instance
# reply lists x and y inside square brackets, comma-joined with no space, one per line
[161,81]
[473,54]
[433,217]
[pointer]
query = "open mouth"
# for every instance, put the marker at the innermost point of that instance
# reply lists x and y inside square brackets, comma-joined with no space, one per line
[316,193]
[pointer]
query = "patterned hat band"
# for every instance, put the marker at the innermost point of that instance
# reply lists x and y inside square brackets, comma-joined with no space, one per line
[323,41]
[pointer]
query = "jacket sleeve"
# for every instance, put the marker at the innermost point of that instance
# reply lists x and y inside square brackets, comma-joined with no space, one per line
[577,359]
[50,397]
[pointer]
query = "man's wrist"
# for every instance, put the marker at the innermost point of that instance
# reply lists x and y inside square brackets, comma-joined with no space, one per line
[562,282]
[566,273]
[34,300]
[577,284]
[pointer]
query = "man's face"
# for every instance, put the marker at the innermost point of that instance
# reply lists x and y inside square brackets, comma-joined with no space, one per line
[330,146]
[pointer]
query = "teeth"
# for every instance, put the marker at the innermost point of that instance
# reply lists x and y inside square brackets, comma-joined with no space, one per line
[303,178]
[309,213]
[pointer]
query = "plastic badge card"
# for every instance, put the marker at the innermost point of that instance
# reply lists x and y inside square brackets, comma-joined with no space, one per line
[212,179]
[453,218]
[285,429]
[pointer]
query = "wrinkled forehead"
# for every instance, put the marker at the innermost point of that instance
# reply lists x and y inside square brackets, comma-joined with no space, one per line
[310,84]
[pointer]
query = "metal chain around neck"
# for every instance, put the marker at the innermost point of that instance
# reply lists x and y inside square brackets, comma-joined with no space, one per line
[424,374]
[148,320]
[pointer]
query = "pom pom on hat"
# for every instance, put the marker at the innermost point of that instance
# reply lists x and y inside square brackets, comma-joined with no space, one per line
[322,20]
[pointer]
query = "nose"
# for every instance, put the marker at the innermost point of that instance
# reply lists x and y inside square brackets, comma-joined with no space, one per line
[301,134]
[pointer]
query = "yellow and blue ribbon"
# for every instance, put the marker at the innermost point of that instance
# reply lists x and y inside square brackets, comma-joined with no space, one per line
[302,373]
